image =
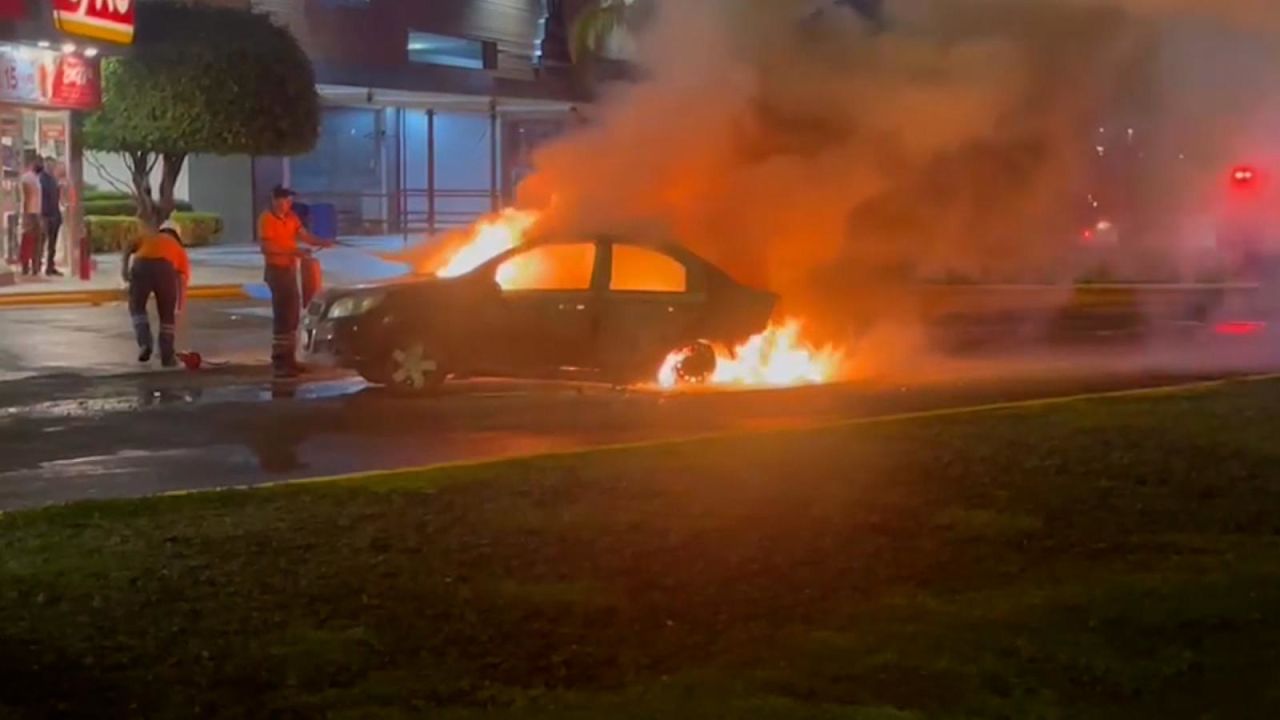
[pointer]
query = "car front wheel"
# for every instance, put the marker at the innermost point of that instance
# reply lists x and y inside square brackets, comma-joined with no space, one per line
[410,366]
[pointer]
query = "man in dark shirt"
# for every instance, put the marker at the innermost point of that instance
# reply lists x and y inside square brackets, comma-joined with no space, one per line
[51,209]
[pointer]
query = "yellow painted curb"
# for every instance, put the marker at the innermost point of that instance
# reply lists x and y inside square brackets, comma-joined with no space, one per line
[103,297]
[732,434]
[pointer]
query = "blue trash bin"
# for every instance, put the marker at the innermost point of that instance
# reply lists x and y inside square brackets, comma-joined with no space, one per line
[303,211]
[324,221]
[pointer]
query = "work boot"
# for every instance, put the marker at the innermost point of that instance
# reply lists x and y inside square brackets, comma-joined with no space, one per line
[145,355]
[168,354]
[53,272]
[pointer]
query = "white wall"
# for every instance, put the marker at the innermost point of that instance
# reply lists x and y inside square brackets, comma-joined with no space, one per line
[224,185]
[99,167]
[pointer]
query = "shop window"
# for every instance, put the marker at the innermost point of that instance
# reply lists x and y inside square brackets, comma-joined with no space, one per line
[640,269]
[549,268]
[432,49]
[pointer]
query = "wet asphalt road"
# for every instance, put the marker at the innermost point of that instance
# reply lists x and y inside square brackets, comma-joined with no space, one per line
[72,427]
[98,341]
[145,435]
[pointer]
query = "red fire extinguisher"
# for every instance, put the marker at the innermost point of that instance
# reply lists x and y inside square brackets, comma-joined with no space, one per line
[312,278]
[85,259]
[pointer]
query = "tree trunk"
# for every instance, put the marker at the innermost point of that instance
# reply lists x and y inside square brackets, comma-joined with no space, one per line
[140,166]
[170,170]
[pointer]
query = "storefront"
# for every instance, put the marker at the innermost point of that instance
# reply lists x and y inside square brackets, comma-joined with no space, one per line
[50,69]
[39,90]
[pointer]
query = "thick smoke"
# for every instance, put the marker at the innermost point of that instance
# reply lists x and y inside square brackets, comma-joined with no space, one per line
[812,152]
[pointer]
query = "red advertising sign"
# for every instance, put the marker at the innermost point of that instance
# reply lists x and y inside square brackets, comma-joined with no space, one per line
[76,83]
[109,20]
[46,78]
[11,10]
[52,133]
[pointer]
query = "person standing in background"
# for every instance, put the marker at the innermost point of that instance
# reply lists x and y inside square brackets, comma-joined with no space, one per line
[51,215]
[32,217]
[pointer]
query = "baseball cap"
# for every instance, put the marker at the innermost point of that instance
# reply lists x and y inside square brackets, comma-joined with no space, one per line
[281,191]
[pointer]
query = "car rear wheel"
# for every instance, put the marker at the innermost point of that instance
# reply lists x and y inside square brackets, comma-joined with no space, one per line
[411,367]
[697,364]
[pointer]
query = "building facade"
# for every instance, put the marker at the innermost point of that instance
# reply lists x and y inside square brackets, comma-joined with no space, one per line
[430,112]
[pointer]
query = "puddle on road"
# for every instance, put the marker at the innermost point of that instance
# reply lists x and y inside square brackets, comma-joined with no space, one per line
[151,397]
[69,409]
[263,392]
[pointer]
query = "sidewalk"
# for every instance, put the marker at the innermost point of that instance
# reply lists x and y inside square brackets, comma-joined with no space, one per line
[218,272]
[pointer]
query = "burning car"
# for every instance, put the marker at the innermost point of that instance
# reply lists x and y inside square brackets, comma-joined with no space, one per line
[616,309]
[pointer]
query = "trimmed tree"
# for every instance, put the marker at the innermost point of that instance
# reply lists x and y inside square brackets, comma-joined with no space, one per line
[201,79]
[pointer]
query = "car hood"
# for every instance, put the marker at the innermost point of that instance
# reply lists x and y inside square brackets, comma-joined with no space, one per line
[390,284]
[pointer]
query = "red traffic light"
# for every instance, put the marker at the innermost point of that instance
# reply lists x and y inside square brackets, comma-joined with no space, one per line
[1243,175]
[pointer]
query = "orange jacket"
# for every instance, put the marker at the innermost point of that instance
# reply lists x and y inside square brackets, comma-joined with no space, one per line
[278,235]
[163,246]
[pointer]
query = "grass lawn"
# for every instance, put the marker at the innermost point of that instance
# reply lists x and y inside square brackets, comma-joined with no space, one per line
[1115,558]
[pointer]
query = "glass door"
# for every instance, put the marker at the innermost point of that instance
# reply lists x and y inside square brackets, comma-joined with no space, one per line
[11,153]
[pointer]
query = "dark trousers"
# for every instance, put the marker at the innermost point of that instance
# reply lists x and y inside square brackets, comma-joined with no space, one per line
[286,311]
[52,224]
[147,277]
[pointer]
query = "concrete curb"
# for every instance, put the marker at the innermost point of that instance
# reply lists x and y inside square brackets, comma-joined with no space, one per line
[103,297]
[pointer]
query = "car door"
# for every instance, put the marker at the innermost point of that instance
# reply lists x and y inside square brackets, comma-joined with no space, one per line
[650,306]
[548,307]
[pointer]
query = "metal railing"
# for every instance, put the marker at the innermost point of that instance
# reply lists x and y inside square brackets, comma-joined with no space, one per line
[410,210]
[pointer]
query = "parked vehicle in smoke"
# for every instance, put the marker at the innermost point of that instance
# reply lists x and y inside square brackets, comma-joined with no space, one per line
[610,308]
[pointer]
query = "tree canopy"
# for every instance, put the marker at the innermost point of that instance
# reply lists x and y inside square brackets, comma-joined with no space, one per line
[203,79]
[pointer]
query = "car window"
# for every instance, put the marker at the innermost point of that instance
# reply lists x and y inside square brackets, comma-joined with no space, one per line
[640,269]
[549,267]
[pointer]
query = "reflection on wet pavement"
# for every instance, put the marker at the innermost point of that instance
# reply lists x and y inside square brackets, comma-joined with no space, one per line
[128,473]
[148,395]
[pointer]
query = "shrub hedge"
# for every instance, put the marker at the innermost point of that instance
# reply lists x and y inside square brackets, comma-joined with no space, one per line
[111,233]
[121,207]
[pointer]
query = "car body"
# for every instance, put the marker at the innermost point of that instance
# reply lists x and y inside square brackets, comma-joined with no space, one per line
[610,307]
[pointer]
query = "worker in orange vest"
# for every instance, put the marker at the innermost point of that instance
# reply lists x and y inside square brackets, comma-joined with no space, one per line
[157,264]
[279,231]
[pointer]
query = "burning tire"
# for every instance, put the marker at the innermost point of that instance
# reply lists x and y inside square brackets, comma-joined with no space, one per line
[411,367]
[695,364]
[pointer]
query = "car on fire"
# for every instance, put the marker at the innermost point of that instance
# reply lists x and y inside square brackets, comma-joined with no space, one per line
[608,308]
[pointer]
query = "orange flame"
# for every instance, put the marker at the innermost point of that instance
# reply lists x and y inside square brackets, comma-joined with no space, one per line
[489,238]
[776,357]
